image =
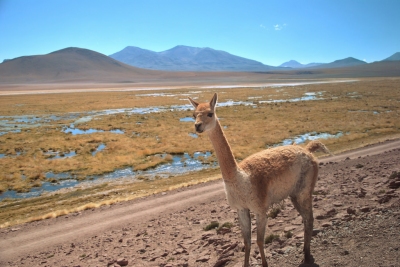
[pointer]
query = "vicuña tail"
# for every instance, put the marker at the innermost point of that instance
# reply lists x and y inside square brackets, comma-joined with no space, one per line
[316,145]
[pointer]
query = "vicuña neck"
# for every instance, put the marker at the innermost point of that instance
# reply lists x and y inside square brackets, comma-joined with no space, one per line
[224,153]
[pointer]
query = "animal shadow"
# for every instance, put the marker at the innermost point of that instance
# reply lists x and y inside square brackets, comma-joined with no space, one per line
[313,264]
[309,265]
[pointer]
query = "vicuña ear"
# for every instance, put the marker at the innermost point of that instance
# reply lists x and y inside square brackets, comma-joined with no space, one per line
[194,103]
[213,101]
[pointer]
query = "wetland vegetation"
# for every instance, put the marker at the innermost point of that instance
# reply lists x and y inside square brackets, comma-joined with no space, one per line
[50,138]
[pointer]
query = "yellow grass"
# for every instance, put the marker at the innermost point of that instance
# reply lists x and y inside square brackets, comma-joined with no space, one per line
[365,111]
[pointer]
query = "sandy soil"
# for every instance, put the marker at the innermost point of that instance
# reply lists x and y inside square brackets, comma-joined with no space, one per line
[356,210]
[217,83]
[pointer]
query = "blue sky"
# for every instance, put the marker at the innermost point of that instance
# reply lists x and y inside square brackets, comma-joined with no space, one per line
[269,31]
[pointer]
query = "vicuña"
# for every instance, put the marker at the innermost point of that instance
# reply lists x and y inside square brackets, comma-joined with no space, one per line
[262,179]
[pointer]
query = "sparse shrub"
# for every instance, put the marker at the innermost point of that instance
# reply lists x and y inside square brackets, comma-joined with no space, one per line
[359,166]
[227,225]
[270,238]
[212,225]
[273,213]
[225,228]
[288,234]
[394,175]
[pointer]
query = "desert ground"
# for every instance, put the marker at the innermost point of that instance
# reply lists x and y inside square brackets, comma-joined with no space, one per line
[356,211]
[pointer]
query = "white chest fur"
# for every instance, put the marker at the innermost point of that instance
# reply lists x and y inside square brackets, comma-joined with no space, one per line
[240,193]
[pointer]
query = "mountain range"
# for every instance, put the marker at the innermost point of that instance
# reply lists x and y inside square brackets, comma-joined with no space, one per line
[82,65]
[186,58]
[346,62]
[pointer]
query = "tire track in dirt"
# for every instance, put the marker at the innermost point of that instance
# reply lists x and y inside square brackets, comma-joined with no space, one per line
[48,236]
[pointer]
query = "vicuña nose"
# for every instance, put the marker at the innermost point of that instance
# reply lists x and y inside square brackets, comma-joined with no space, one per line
[197,126]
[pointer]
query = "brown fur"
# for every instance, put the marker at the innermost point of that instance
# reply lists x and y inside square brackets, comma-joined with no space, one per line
[316,145]
[262,179]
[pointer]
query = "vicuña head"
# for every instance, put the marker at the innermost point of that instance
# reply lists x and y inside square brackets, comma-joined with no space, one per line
[262,179]
[205,115]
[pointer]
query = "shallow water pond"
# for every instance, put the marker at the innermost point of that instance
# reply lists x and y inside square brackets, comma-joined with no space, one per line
[300,139]
[180,164]
[77,131]
[14,124]
[59,155]
[306,97]
[187,119]
[98,149]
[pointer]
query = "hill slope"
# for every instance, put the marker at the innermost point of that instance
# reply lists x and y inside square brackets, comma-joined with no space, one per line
[69,64]
[186,58]
[394,57]
[346,62]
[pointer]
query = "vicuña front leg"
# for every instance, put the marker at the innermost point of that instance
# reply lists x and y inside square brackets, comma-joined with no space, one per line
[245,226]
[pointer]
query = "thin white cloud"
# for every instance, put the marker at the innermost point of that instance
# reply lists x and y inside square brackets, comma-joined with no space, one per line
[262,26]
[279,27]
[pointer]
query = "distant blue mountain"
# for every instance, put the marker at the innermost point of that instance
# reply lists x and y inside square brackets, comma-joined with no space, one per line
[186,58]
[296,65]
[346,62]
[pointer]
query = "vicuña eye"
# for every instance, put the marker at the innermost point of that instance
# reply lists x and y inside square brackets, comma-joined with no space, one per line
[210,114]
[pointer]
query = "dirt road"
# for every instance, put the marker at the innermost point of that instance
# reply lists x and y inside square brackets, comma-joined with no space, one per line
[55,240]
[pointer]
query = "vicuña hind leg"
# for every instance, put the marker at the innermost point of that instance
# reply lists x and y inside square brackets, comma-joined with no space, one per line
[261,223]
[245,226]
[304,206]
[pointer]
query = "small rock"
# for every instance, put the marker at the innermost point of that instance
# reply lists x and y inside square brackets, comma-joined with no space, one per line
[327,224]
[351,210]
[331,212]
[223,230]
[300,235]
[314,233]
[280,251]
[287,249]
[362,193]
[345,252]
[384,199]
[221,262]
[122,262]
[365,209]
[289,229]
[203,258]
